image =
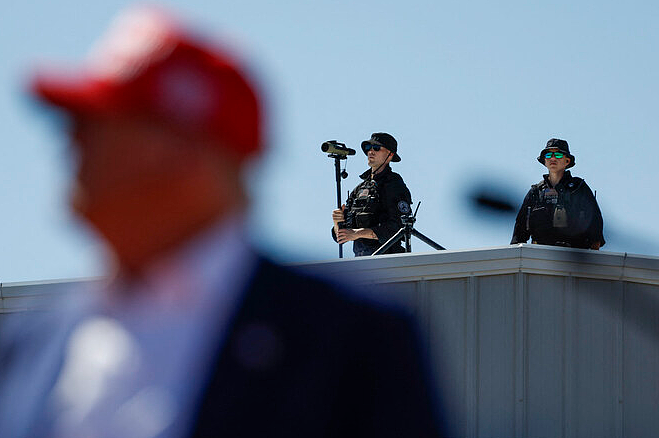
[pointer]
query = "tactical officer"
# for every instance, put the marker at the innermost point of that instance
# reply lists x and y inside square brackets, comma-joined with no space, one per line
[370,216]
[561,209]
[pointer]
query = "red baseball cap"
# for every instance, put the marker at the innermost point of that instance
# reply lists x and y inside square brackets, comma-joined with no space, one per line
[148,64]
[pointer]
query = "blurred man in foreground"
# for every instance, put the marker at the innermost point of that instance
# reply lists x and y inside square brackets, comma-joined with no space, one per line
[195,335]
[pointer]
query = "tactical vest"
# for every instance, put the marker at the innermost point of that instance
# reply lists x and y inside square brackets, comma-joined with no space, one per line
[362,205]
[553,217]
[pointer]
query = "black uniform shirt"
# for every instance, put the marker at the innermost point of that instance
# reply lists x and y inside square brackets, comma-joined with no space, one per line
[577,224]
[386,221]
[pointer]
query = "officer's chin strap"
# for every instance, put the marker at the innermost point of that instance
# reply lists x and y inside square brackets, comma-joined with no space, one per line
[378,169]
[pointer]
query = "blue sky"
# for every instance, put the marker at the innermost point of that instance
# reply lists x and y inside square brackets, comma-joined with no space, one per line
[471,90]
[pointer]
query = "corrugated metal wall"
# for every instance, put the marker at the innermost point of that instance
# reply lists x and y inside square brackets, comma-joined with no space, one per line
[532,355]
[527,341]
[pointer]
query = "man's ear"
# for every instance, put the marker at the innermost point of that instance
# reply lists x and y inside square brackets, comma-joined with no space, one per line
[567,161]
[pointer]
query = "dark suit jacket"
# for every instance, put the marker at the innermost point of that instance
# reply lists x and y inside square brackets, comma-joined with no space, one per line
[303,359]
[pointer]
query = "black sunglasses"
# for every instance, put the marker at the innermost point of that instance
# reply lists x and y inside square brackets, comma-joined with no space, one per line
[375,147]
[558,155]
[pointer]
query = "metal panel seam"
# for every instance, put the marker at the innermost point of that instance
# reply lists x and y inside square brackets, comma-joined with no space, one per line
[521,403]
[568,401]
[623,272]
[564,356]
[471,354]
[423,304]
[621,352]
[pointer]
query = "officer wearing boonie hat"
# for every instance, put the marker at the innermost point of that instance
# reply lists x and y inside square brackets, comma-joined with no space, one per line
[371,216]
[561,209]
[560,146]
[384,140]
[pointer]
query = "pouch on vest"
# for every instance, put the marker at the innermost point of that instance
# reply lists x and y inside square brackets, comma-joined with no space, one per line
[560,217]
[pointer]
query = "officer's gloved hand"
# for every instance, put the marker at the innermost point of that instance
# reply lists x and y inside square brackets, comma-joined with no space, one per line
[337,215]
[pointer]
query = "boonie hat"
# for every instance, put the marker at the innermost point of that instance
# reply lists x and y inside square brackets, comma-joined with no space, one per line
[149,64]
[561,145]
[385,140]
